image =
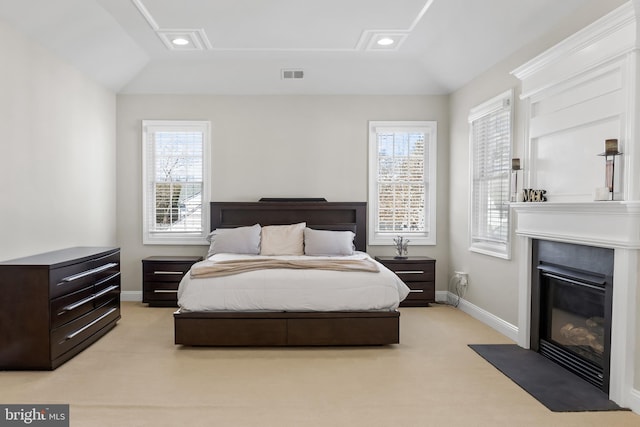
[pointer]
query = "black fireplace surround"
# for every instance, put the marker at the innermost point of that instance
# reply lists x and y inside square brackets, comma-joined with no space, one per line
[571,294]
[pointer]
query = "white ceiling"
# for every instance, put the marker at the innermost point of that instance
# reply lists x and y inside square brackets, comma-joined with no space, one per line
[442,44]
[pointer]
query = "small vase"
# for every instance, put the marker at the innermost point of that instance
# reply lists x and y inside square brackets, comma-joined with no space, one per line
[402,247]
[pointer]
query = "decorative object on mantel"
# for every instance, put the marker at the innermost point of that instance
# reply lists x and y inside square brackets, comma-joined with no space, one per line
[610,154]
[529,195]
[402,247]
[515,167]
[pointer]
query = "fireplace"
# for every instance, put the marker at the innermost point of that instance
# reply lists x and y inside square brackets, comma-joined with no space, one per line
[571,307]
[576,95]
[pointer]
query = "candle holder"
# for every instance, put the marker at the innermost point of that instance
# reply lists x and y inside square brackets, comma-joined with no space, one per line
[515,167]
[610,154]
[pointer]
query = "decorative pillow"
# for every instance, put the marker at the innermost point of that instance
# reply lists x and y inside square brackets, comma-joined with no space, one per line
[328,243]
[241,240]
[283,239]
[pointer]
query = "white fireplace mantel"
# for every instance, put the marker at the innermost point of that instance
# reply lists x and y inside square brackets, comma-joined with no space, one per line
[608,224]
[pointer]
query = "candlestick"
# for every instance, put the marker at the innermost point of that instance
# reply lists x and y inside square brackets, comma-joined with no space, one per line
[610,154]
[611,146]
[515,167]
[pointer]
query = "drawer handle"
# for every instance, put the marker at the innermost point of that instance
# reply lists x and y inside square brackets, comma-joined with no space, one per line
[416,291]
[88,325]
[106,279]
[409,272]
[165,291]
[87,299]
[169,272]
[89,272]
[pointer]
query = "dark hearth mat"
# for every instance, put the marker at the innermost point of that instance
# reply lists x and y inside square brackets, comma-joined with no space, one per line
[555,387]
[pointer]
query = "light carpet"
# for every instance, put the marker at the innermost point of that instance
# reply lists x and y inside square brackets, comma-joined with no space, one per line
[136,376]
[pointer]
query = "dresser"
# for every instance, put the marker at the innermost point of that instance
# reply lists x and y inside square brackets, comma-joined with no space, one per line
[161,276]
[418,273]
[56,304]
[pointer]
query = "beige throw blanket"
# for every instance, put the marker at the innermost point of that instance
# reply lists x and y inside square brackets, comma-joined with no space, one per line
[226,268]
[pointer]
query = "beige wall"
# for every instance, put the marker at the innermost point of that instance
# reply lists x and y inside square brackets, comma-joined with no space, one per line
[58,168]
[493,282]
[273,146]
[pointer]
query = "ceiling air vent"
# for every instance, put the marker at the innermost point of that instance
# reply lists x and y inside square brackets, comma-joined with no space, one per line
[292,74]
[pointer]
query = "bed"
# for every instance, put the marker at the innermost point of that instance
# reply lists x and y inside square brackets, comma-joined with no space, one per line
[222,326]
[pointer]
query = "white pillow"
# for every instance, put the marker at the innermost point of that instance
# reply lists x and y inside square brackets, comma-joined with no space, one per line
[240,240]
[328,243]
[283,239]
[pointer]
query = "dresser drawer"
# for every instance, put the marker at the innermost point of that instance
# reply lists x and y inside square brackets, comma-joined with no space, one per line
[75,332]
[74,277]
[71,306]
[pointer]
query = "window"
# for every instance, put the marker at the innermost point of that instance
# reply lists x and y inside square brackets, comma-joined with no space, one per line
[175,181]
[491,131]
[402,182]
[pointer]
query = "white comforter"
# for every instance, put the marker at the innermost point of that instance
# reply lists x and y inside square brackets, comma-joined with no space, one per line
[293,290]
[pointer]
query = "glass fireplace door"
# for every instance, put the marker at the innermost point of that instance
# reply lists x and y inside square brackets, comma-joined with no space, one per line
[574,317]
[575,326]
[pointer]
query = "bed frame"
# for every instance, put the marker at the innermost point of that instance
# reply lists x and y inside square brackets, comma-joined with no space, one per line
[289,328]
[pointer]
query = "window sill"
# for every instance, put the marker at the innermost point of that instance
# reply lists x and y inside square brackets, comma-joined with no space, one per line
[176,241]
[494,250]
[413,241]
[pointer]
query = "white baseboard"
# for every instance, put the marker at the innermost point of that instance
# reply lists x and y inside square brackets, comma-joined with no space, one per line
[505,328]
[442,296]
[133,296]
[633,401]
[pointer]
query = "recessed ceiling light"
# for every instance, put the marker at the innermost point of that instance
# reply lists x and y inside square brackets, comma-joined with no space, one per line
[385,41]
[180,41]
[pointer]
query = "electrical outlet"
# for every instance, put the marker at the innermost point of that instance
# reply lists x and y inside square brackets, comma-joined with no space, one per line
[463,278]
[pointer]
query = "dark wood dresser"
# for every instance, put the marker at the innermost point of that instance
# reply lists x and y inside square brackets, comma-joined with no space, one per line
[418,273]
[56,304]
[161,276]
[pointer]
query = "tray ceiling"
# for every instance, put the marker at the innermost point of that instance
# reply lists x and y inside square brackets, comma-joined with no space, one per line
[242,46]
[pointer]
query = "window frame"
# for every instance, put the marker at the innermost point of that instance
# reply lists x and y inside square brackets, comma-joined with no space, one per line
[430,129]
[478,244]
[176,238]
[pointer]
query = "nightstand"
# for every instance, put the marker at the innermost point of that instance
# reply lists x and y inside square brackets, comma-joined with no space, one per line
[418,273]
[161,276]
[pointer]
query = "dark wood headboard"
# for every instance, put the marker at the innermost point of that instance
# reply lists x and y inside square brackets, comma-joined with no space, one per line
[339,216]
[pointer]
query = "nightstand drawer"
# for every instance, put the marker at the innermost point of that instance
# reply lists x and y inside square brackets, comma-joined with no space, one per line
[165,272]
[421,290]
[161,291]
[413,272]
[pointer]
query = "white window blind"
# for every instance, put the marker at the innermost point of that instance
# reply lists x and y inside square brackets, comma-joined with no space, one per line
[402,177]
[175,175]
[491,131]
